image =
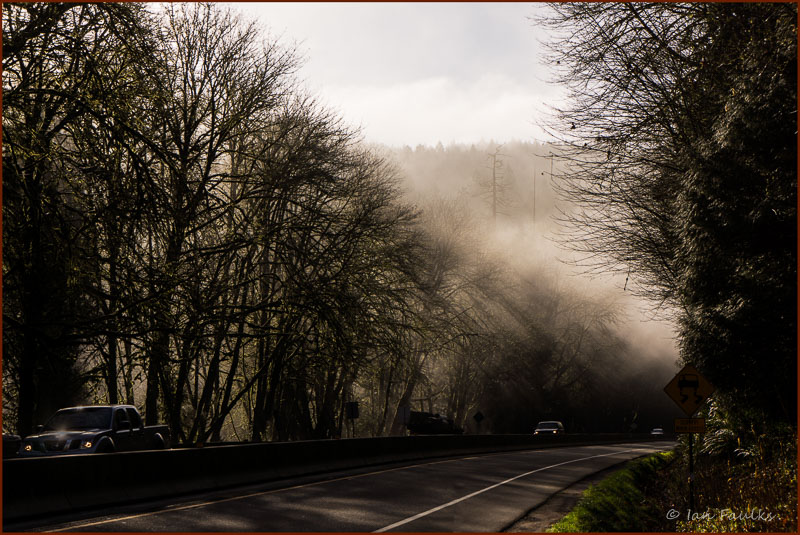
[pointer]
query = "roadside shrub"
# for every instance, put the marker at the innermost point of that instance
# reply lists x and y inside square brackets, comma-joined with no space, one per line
[618,502]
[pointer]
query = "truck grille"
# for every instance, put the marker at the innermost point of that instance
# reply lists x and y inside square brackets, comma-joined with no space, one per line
[54,445]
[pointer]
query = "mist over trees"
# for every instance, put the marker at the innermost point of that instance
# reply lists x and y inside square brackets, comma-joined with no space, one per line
[188,231]
[502,178]
[546,344]
[681,137]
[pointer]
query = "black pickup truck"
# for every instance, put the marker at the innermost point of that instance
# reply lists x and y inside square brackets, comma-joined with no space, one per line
[94,429]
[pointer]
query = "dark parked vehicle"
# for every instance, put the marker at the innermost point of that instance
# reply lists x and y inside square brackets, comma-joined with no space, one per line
[10,445]
[94,429]
[549,428]
[427,423]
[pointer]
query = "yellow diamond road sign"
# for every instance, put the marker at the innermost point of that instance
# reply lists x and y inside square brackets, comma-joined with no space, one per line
[689,389]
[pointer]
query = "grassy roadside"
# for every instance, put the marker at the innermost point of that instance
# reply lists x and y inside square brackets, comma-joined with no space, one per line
[618,502]
[751,490]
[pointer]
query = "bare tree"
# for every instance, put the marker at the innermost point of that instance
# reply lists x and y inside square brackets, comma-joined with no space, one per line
[54,64]
[210,75]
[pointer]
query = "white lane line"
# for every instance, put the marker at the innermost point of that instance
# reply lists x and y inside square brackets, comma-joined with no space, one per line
[251,495]
[78,525]
[468,496]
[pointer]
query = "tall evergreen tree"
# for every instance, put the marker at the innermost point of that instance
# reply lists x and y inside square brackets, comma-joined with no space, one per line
[682,137]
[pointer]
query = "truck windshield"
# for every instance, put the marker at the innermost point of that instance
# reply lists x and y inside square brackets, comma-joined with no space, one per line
[89,418]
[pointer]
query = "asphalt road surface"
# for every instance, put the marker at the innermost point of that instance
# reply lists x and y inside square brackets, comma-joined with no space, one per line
[481,493]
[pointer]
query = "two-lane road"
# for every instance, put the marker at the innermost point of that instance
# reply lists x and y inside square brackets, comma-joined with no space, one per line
[484,493]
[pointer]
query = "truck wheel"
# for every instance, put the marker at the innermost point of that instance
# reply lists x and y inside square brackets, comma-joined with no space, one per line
[158,442]
[106,446]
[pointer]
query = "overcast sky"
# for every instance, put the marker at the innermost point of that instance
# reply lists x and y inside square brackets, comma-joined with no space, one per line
[419,73]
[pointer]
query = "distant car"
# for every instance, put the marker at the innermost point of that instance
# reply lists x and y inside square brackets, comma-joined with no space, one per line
[551,427]
[657,431]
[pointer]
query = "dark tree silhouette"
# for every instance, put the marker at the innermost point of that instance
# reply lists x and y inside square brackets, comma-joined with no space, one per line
[681,135]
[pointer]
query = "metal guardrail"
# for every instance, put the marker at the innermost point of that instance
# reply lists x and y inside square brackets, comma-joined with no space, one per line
[46,486]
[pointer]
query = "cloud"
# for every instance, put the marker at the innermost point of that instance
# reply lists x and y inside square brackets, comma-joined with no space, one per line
[419,73]
[430,110]
[390,42]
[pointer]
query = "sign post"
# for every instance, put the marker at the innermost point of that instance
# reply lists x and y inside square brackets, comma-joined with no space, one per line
[351,411]
[688,389]
[478,416]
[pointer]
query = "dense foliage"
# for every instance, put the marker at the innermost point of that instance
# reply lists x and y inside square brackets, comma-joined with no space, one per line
[682,135]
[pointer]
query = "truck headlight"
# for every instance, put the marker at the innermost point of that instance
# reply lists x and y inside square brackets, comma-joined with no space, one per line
[27,447]
[86,444]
